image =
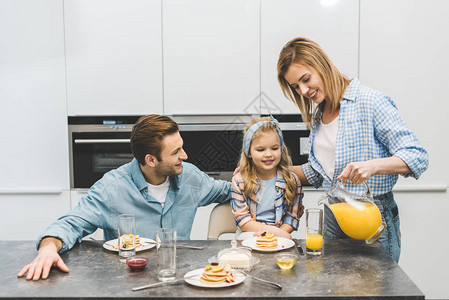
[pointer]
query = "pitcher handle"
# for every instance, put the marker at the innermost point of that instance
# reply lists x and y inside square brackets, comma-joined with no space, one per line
[368,192]
[323,198]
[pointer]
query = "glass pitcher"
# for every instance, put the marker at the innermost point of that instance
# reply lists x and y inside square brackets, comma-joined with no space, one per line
[357,216]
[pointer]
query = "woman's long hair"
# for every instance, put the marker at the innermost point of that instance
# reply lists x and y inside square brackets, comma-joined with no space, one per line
[249,172]
[302,51]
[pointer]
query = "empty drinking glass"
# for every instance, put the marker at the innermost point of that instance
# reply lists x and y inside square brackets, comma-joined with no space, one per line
[126,235]
[166,254]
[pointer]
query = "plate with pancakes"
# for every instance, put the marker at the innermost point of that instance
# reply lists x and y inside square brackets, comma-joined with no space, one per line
[268,242]
[214,276]
[141,244]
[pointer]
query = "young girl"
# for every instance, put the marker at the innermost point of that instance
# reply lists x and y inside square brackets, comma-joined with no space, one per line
[265,195]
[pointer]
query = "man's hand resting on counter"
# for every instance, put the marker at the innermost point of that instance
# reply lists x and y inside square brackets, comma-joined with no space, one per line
[46,258]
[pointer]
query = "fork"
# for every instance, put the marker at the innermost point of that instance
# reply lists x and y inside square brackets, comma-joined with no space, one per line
[261,280]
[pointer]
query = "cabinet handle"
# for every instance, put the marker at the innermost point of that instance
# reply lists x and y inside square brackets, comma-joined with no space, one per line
[27,192]
[102,141]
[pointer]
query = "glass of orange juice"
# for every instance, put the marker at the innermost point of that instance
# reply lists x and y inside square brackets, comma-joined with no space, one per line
[314,231]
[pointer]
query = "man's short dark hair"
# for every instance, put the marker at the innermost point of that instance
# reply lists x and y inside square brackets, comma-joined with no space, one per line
[147,135]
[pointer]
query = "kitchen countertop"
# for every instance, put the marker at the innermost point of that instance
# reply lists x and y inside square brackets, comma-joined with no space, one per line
[347,268]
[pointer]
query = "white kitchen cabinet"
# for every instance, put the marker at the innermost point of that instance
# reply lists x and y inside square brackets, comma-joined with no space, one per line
[114,57]
[211,56]
[332,24]
[34,136]
[34,176]
[404,50]
[25,216]
[404,47]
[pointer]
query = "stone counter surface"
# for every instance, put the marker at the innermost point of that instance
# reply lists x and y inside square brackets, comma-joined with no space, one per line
[347,268]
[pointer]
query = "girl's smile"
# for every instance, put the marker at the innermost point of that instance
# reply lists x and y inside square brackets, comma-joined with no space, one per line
[265,152]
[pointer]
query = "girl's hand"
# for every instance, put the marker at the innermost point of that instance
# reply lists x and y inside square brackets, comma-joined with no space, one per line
[276,231]
[279,232]
[283,233]
[259,233]
[358,172]
[236,171]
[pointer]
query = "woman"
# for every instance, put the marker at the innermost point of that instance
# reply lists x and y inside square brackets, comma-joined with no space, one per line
[357,135]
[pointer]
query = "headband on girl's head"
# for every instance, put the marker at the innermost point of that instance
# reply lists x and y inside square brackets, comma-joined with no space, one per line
[250,132]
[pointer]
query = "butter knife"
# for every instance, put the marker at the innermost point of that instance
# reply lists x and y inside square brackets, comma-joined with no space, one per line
[261,280]
[298,246]
[180,246]
[161,283]
[177,246]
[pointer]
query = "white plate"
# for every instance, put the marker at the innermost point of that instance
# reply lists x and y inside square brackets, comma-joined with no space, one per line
[193,278]
[145,244]
[283,244]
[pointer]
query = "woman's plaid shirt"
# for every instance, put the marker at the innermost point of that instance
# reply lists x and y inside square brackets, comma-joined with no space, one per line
[369,128]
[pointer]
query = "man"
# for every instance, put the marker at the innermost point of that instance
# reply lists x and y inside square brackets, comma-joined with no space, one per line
[156,186]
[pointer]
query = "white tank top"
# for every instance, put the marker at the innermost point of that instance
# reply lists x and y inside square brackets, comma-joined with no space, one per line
[324,146]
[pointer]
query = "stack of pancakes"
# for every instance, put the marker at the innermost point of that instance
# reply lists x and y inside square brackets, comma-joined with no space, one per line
[215,273]
[127,241]
[267,241]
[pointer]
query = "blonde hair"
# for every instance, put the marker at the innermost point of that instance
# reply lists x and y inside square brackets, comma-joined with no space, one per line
[302,51]
[248,169]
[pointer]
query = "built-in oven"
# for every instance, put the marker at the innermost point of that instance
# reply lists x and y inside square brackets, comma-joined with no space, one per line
[97,145]
[212,143]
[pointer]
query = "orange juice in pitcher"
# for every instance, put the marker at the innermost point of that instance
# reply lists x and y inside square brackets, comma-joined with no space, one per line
[357,216]
[358,223]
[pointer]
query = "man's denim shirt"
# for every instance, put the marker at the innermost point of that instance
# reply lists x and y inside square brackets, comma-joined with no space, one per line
[125,191]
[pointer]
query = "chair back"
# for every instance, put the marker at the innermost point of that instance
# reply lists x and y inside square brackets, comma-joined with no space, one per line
[221,221]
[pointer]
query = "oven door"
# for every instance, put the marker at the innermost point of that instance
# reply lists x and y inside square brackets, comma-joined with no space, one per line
[95,153]
[214,149]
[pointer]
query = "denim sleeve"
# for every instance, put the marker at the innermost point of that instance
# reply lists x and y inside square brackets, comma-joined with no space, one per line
[392,132]
[211,190]
[82,220]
